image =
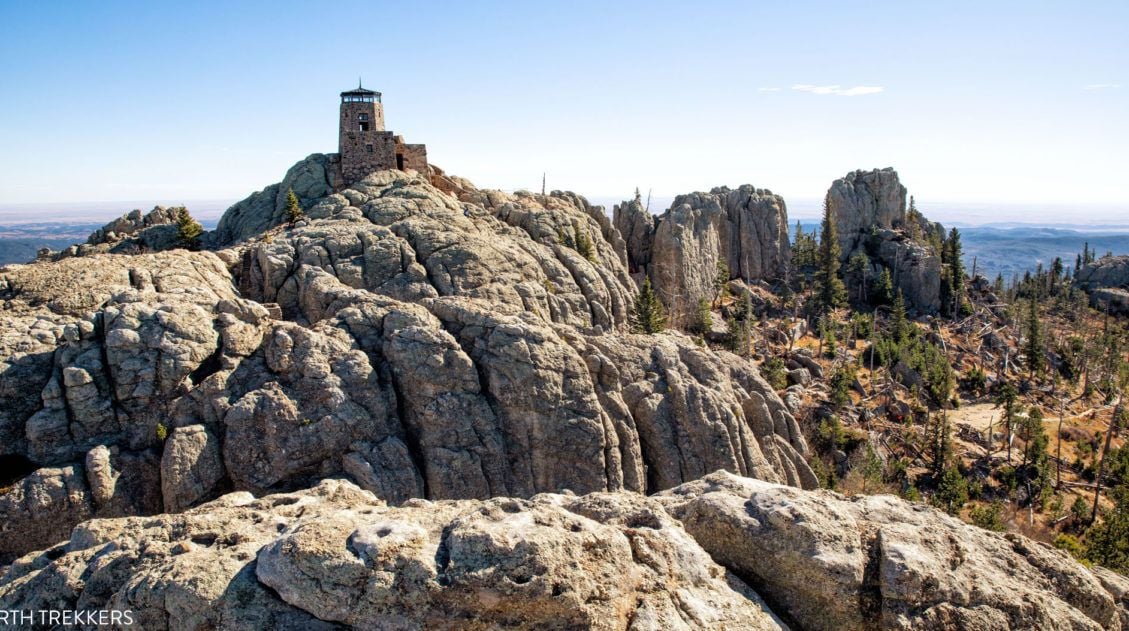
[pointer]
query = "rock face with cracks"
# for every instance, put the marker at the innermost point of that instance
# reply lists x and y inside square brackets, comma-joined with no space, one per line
[698,556]
[745,229]
[425,344]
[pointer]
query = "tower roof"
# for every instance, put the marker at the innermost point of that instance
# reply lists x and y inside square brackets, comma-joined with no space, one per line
[360,91]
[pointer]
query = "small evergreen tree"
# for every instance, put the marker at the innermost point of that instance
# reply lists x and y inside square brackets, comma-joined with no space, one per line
[832,293]
[737,336]
[583,243]
[293,208]
[952,286]
[721,282]
[952,491]
[648,316]
[703,318]
[188,230]
[883,293]
[857,268]
[900,328]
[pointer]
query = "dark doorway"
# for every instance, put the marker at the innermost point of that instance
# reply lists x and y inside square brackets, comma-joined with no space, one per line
[400,161]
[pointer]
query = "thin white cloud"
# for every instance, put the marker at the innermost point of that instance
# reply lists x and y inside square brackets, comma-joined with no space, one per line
[858,90]
[1103,86]
[768,89]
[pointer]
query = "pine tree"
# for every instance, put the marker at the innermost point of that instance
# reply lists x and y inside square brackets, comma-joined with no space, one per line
[940,445]
[583,243]
[721,282]
[1033,348]
[737,336]
[188,230]
[857,267]
[832,293]
[899,323]
[703,318]
[952,289]
[293,208]
[884,288]
[648,314]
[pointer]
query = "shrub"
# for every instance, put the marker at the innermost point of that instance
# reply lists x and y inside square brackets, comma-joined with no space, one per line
[988,516]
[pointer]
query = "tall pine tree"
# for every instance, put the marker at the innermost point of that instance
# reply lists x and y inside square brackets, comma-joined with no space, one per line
[648,316]
[832,293]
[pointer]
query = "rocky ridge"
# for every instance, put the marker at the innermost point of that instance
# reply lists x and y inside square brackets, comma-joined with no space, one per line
[722,552]
[431,344]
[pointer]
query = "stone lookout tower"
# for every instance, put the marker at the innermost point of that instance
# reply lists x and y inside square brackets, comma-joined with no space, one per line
[364,146]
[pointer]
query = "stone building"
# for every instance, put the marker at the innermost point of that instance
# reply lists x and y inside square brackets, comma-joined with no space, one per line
[364,146]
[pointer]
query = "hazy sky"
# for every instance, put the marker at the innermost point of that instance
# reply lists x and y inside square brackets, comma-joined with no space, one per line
[975,102]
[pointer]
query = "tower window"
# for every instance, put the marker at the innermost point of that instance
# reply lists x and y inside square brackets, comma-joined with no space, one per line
[368,148]
[362,117]
[364,125]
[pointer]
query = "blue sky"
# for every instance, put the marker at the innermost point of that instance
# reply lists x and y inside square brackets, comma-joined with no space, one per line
[971,102]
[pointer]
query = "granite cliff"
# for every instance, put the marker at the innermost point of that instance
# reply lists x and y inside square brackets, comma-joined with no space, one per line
[426,344]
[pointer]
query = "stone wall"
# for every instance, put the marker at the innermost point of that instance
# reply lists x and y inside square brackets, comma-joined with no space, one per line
[365,152]
[411,157]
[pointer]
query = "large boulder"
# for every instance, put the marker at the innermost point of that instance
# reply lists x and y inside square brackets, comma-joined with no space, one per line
[723,552]
[745,229]
[878,562]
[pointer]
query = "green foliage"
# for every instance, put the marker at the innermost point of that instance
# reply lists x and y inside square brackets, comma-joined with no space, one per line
[830,341]
[952,278]
[1071,544]
[583,243]
[775,373]
[162,432]
[702,321]
[940,444]
[831,292]
[1033,348]
[952,491]
[647,314]
[976,381]
[721,281]
[1107,542]
[1080,509]
[293,208]
[883,291]
[737,336]
[857,267]
[841,381]
[188,230]
[803,249]
[989,516]
[901,342]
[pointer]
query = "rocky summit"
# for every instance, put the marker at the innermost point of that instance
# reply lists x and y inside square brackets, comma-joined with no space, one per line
[417,404]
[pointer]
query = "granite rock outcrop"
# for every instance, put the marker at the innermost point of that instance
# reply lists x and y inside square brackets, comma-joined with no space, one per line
[869,209]
[722,552]
[426,344]
[745,229]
